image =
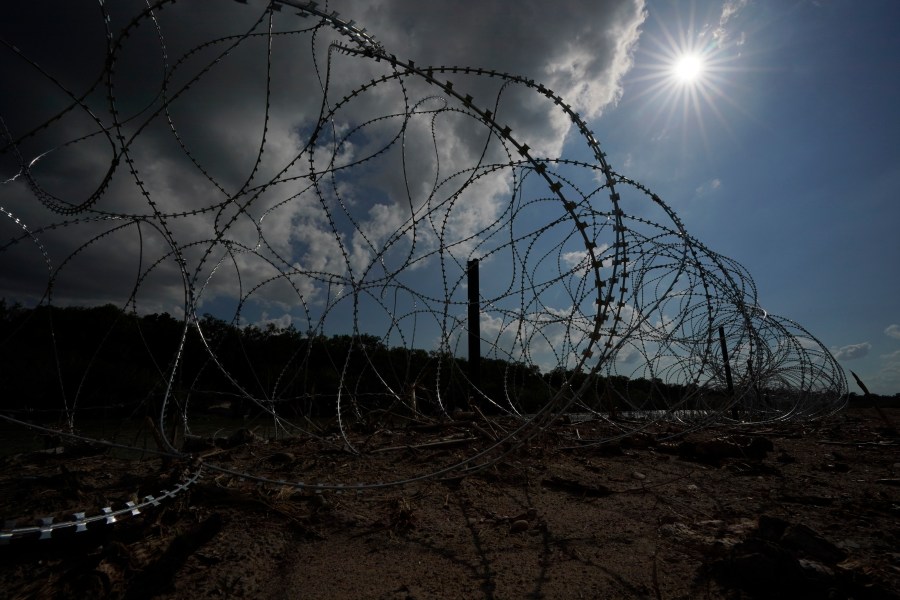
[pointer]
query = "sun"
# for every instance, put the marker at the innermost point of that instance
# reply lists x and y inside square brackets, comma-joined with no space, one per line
[688,68]
[686,77]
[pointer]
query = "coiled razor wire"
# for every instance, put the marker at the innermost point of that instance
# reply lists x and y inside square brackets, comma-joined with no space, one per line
[588,277]
[82,522]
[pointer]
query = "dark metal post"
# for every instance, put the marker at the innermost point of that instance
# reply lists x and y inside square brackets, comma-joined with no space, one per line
[474,324]
[752,377]
[728,381]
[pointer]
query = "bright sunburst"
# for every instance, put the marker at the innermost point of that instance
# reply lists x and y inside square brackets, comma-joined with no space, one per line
[685,80]
[688,68]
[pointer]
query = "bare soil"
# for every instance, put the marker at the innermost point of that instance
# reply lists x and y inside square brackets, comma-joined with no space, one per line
[788,511]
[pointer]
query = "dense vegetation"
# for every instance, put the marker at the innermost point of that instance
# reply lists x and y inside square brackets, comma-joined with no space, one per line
[104,359]
[109,362]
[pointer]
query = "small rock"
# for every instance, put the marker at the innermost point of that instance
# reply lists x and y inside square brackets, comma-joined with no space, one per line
[528,515]
[196,443]
[837,467]
[771,528]
[409,593]
[785,458]
[639,476]
[518,526]
[815,570]
[811,543]
[238,438]
[280,458]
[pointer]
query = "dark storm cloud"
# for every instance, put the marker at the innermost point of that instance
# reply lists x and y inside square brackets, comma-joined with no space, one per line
[577,48]
[580,49]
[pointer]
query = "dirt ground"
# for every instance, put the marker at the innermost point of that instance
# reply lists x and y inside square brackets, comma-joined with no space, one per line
[787,511]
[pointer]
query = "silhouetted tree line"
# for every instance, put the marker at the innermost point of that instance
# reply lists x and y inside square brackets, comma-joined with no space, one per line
[107,360]
[113,362]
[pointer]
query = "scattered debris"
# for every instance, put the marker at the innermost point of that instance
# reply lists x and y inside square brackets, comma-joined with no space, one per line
[791,560]
[576,488]
[791,530]
[716,451]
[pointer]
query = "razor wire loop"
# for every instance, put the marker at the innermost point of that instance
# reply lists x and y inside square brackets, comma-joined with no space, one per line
[645,298]
[80,522]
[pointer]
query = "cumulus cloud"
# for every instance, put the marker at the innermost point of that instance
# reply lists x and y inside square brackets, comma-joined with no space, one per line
[282,322]
[853,351]
[580,49]
[225,196]
[893,331]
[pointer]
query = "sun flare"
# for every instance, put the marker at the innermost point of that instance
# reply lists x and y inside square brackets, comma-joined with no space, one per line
[688,73]
[688,68]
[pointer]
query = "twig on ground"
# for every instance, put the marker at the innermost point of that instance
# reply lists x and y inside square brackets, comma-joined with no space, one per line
[437,444]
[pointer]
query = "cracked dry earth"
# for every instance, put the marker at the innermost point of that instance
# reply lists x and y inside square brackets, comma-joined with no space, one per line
[790,511]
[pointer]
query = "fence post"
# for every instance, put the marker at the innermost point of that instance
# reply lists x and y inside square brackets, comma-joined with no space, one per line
[728,381]
[474,324]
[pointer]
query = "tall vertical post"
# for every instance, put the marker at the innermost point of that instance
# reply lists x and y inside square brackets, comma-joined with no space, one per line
[474,323]
[728,380]
[755,383]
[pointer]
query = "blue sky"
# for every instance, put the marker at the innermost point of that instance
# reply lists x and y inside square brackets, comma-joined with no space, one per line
[789,162]
[782,155]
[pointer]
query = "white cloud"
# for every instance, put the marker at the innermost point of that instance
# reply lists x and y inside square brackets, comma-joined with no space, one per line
[708,187]
[282,322]
[575,259]
[730,9]
[852,351]
[887,379]
[893,331]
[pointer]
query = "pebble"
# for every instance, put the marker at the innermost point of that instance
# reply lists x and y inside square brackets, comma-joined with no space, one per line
[282,457]
[639,476]
[519,526]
